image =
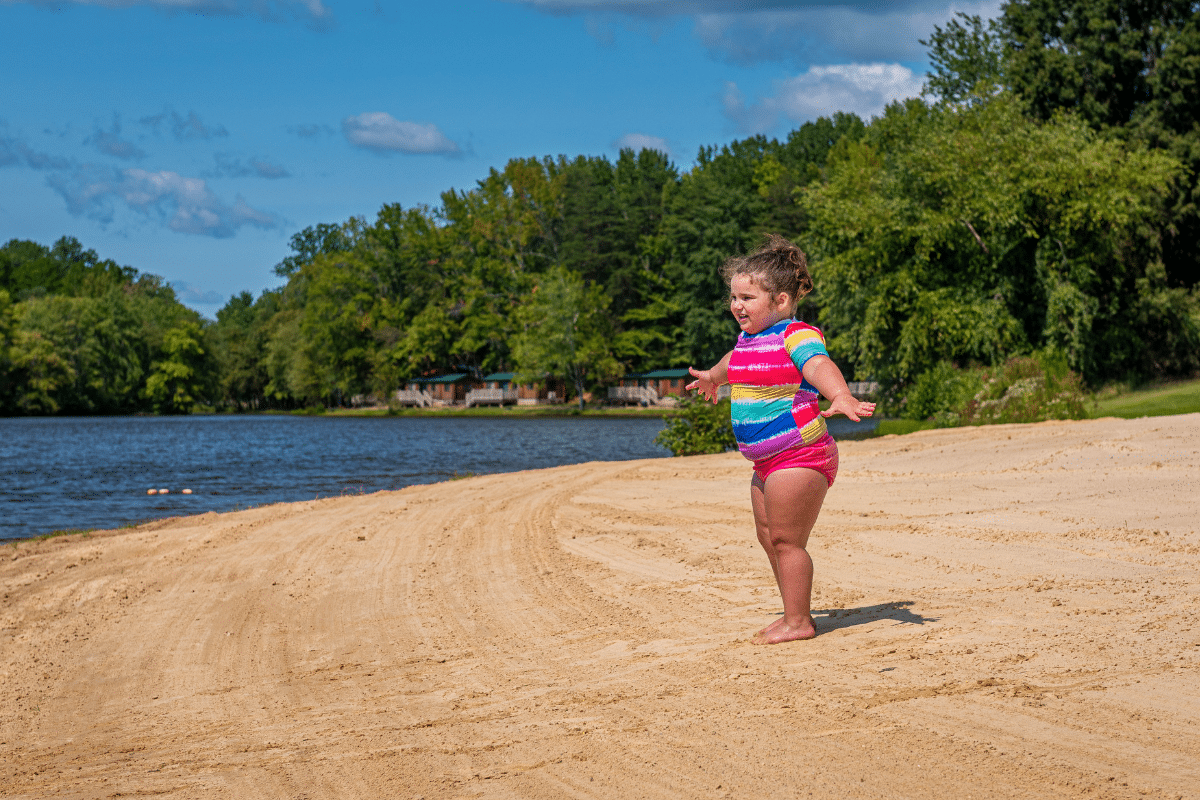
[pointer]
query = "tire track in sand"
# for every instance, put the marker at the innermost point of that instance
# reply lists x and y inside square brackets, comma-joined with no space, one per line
[582,631]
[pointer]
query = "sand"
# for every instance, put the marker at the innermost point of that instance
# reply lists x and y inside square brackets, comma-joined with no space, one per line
[1011,611]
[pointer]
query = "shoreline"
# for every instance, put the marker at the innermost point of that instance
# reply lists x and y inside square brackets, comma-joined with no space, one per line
[1003,611]
[91,474]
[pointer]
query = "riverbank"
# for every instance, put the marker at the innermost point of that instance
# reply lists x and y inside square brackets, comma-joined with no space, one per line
[1005,611]
[562,410]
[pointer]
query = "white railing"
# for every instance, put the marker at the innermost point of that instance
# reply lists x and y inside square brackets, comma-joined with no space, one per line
[413,397]
[863,388]
[642,395]
[477,397]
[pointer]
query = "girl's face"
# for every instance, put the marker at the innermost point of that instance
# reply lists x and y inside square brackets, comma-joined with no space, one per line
[753,307]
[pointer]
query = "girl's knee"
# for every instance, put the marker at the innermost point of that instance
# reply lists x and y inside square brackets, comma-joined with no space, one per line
[785,542]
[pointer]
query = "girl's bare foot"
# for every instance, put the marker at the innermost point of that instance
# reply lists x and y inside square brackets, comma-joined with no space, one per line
[769,628]
[779,631]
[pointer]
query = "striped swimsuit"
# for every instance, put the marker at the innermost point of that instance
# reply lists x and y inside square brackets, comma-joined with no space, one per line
[776,419]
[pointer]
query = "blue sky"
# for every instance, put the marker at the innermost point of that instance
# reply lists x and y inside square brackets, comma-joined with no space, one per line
[191,138]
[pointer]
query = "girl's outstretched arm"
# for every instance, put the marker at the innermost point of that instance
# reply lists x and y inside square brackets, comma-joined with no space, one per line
[822,373]
[707,380]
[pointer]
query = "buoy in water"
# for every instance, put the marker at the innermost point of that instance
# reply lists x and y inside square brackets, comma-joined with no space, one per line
[187,491]
[164,491]
[152,491]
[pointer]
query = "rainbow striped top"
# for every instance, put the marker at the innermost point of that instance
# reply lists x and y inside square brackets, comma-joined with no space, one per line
[774,408]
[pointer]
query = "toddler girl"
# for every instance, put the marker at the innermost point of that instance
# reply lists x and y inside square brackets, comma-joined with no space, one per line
[777,370]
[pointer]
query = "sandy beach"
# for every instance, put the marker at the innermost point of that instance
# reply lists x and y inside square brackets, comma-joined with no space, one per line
[1003,612]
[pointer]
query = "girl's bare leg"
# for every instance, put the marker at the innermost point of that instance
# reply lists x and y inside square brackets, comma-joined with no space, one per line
[791,502]
[758,503]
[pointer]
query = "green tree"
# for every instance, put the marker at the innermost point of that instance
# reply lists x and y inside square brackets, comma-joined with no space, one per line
[287,364]
[336,325]
[239,344]
[1130,68]
[176,381]
[564,331]
[1099,58]
[971,234]
[41,374]
[320,239]
[98,339]
[711,215]
[7,378]
[967,57]
[28,269]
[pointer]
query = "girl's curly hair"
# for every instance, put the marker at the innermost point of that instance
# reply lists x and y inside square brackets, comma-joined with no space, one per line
[777,266]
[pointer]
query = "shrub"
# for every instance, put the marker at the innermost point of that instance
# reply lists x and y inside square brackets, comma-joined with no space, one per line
[1027,389]
[698,427]
[940,393]
[1022,389]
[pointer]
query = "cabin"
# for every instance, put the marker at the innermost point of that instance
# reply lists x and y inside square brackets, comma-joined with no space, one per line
[498,389]
[445,390]
[549,391]
[660,386]
[668,382]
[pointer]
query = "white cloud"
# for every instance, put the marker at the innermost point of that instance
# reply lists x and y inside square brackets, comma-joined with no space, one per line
[187,205]
[643,141]
[314,12]
[383,133]
[865,89]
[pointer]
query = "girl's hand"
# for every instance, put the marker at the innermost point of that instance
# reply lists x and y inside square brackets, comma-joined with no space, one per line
[852,408]
[704,383]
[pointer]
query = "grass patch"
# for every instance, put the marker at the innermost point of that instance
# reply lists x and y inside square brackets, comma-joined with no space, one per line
[505,411]
[64,532]
[1155,401]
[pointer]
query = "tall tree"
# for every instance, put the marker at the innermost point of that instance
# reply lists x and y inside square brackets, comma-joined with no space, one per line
[966,55]
[177,380]
[564,331]
[972,234]
[1127,67]
[713,213]
[320,239]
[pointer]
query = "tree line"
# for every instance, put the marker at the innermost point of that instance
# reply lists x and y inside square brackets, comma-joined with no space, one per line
[81,335]
[1040,198]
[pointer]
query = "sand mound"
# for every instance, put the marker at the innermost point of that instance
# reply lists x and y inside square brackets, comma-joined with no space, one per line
[1003,612]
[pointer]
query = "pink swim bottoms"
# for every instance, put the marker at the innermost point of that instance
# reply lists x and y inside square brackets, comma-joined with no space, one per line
[821,455]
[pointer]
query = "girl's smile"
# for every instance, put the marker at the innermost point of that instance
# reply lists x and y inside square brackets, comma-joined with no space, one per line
[753,307]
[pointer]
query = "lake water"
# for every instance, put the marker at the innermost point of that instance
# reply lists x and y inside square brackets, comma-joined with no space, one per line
[94,472]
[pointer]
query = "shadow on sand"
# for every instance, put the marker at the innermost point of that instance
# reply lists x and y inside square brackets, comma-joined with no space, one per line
[834,619]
